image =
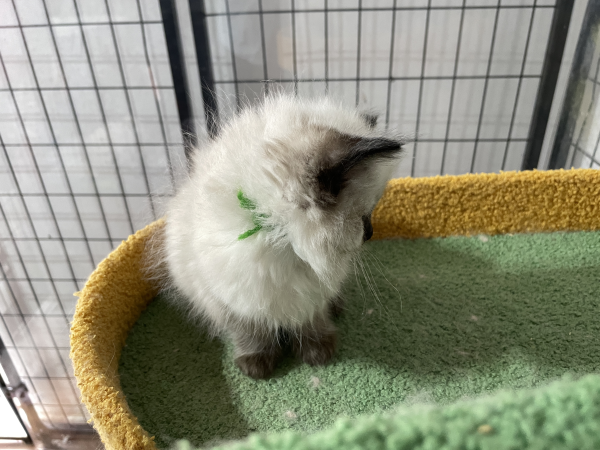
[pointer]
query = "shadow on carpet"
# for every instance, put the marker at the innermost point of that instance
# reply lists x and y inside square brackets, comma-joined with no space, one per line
[427,321]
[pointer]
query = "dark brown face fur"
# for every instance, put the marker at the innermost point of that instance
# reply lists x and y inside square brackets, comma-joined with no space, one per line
[367,228]
[343,155]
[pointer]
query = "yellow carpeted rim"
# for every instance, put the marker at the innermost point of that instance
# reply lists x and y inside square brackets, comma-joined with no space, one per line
[116,293]
[510,202]
[111,301]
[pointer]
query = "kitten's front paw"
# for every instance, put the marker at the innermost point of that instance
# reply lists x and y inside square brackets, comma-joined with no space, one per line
[317,352]
[257,365]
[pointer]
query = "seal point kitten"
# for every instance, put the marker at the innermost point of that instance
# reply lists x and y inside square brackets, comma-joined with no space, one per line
[261,236]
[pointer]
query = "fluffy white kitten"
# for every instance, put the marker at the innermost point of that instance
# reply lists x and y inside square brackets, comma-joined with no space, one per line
[261,236]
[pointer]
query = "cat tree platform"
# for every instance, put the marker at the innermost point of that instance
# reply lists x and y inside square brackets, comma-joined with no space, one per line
[564,413]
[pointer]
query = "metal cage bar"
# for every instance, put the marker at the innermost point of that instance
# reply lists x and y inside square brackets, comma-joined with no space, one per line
[580,68]
[543,103]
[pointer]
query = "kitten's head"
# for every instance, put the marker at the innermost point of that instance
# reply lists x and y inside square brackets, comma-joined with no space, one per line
[316,170]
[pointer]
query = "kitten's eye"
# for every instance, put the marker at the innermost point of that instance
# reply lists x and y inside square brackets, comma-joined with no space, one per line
[367,228]
[371,120]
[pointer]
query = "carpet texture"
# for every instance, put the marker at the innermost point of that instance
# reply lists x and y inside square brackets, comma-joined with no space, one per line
[449,319]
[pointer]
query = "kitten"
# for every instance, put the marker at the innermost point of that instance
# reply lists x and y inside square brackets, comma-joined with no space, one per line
[261,236]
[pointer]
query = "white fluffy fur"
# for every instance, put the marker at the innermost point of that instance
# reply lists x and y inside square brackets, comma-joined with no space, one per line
[286,273]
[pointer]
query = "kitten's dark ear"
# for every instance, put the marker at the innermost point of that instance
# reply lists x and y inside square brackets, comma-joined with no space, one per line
[334,175]
[371,120]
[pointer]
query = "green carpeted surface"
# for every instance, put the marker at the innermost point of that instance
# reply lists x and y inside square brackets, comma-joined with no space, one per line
[455,318]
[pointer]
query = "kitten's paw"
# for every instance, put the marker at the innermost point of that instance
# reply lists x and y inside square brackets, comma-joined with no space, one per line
[257,365]
[317,352]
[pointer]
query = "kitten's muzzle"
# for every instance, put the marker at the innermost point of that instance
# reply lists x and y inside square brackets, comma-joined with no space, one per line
[367,228]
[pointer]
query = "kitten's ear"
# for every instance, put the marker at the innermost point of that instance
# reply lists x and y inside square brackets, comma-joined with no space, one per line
[334,175]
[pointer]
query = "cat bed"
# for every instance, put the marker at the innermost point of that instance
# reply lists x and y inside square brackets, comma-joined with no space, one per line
[564,413]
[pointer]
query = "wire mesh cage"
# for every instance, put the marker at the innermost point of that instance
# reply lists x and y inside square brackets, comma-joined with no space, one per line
[460,76]
[89,128]
[94,96]
[578,132]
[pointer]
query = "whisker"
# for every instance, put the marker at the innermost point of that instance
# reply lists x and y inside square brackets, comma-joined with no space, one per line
[362,293]
[380,267]
[370,284]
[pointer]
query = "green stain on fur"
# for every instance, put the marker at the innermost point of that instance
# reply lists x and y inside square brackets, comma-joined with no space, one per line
[245,202]
[249,233]
[455,348]
[257,219]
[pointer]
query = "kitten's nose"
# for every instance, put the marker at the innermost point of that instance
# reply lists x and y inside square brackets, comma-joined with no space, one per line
[367,228]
